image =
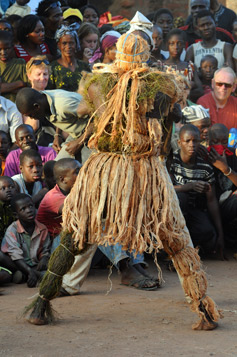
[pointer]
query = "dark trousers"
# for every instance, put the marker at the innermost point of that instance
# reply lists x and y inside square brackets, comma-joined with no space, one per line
[201,228]
[229,218]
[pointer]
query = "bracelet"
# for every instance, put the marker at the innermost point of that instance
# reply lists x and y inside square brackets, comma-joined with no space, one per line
[228,173]
[58,135]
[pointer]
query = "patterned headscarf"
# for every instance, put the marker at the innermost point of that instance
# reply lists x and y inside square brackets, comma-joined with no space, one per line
[68,30]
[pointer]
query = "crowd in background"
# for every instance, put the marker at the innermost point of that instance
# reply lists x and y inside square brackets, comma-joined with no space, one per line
[55,49]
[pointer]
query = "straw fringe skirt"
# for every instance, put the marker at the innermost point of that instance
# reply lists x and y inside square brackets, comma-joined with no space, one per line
[132,201]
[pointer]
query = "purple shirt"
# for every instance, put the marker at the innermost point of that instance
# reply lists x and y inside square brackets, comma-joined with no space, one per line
[12,165]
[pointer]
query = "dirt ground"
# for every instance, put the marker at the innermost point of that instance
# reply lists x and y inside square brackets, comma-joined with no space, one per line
[125,322]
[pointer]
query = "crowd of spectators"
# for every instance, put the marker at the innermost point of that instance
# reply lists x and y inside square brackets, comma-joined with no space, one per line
[43,59]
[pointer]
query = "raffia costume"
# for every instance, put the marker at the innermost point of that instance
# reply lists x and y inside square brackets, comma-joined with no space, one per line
[123,193]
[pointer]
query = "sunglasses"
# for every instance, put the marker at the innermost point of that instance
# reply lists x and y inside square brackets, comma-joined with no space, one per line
[53,6]
[38,62]
[226,85]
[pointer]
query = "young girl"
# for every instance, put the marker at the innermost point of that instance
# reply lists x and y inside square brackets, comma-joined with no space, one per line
[89,37]
[208,66]
[176,42]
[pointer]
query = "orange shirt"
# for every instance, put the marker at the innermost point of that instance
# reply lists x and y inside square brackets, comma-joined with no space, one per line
[226,115]
[3,167]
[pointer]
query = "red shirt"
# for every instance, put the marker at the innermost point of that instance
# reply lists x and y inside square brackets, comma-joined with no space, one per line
[226,115]
[22,53]
[48,211]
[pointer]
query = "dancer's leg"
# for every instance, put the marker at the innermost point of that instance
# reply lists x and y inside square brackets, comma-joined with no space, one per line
[188,266]
[59,264]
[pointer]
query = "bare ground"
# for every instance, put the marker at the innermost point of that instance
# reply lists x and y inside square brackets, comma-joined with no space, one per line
[125,322]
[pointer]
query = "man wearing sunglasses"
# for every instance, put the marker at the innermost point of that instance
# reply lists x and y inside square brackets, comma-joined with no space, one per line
[221,104]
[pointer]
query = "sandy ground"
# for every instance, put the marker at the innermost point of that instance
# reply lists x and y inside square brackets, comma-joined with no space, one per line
[125,322]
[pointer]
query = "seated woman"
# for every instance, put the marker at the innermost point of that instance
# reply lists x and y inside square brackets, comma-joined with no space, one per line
[176,43]
[89,38]
[66,71]
[31,38]
[38,70]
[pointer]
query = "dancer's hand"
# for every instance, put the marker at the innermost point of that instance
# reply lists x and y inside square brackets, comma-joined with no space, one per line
[32,279]
[201,186]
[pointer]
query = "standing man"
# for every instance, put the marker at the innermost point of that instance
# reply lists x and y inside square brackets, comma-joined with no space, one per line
[222,106]
[209,45]
[191,30]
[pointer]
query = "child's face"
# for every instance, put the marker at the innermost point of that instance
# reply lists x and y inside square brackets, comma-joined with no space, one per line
[4,145]
[90,41]
[175,46]
[7,189]
[208,68]
[25,210]
[111,53]
[203,125]
[6,48]
[71,175]
[31,169]
[218,138]
[189,143]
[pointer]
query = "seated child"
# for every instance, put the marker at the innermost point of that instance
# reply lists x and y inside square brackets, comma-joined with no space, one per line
[4,147]
[7,191]
[193,181]
[208,66]
[48,175]
[25,139]
[31,171]
[50,209]
[198,116]
[225,170]
[26,241]
[12,70]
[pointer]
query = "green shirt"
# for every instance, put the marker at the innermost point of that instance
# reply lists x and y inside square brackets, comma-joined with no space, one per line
[63,78]
[12,71]
[63,107]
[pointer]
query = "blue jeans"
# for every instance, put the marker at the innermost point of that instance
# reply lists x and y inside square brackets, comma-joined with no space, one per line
[115,253]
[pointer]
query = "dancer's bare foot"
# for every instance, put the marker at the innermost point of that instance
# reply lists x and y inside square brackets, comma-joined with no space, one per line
[130,276]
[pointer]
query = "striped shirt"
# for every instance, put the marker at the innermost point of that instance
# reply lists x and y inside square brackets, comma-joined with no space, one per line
[183,173]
